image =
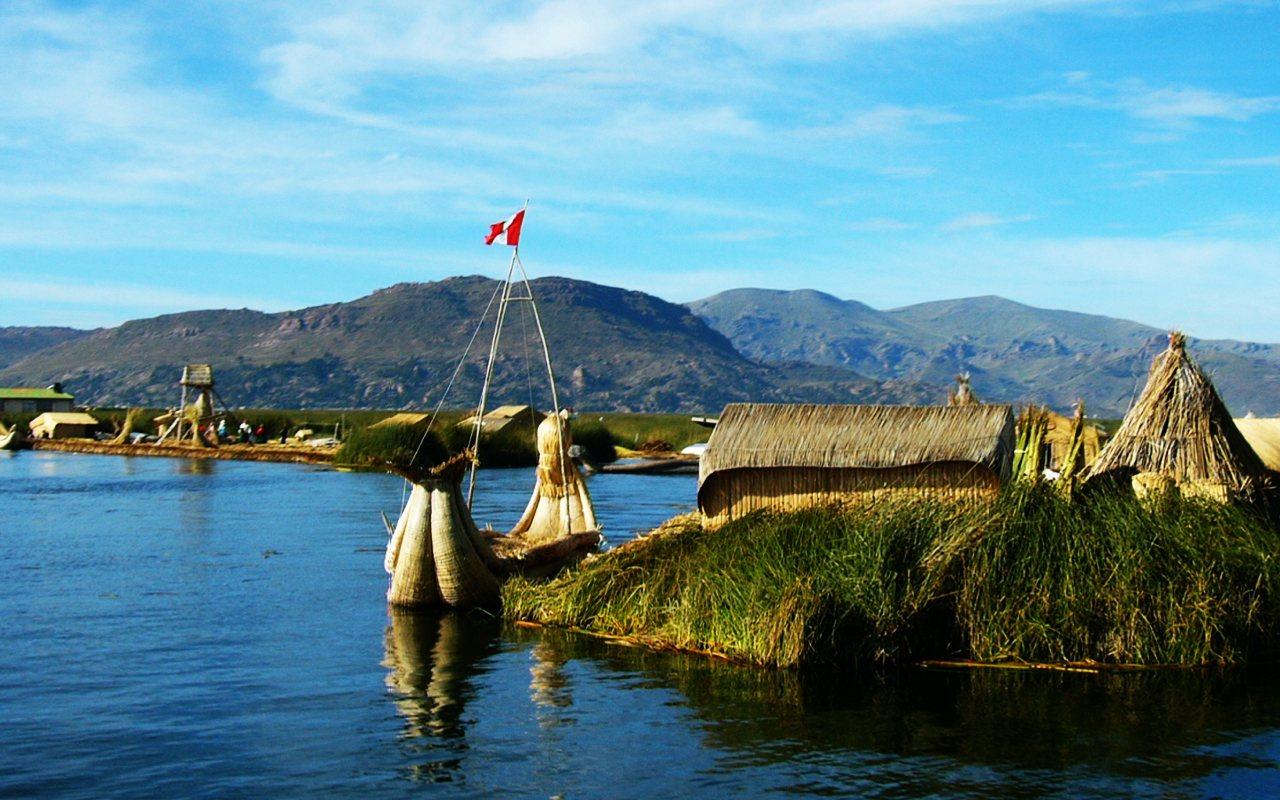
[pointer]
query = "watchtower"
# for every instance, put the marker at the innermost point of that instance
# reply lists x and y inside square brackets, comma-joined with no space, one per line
[197,386]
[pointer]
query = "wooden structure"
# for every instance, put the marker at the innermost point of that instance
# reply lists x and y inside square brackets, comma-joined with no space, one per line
[184,423]
[63,425]
[786,457]
[1180,434]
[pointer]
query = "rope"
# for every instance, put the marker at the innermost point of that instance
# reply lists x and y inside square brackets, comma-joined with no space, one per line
[456,371]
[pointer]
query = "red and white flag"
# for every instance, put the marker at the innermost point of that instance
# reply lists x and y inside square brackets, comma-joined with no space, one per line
[507,231]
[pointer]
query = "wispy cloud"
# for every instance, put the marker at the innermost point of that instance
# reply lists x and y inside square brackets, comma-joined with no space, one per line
[882,225]
[982,219]
[1166,109]
[1257,161]
[59,291]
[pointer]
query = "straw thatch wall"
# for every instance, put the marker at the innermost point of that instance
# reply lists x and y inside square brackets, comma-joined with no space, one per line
[784,457]
[1181,429]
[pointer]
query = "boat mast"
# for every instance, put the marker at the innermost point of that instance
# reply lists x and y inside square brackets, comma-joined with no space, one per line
[503,304]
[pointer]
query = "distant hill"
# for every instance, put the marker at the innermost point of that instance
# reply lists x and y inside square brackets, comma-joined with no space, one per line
[613,350]
[1015,352]
[18,343]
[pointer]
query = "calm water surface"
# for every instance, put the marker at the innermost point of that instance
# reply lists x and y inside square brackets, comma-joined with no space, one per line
[217,629]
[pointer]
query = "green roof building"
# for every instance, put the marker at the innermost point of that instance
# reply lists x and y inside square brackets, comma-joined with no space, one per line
[27,400]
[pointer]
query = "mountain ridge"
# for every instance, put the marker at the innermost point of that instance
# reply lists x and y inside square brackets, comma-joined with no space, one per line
[627,350]
[1015,352]
[615,349]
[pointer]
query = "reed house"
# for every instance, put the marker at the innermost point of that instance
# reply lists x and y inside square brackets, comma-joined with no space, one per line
[1179,435]
[785,457]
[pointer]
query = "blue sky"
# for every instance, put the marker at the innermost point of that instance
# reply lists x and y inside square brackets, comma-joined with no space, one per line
[1120,158]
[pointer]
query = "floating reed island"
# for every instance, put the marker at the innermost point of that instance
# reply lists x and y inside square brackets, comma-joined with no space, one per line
[855,535]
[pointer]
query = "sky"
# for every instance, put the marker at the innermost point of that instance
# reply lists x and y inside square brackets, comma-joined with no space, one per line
[1118,158]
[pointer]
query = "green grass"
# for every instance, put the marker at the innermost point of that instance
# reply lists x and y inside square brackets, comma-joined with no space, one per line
[630,430]
[391,444]
[1029,577]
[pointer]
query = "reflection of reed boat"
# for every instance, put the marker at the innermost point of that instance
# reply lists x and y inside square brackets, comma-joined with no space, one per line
[436,554]
[430,658]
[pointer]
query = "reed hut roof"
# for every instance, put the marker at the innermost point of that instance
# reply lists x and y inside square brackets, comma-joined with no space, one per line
[64,418]
[766,435]
[1181,428]
[1263,435]
[407,419]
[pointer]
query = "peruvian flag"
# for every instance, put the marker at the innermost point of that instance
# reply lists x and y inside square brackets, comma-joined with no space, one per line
[507,231]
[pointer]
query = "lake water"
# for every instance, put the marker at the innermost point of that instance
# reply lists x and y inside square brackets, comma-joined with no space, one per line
[217,629]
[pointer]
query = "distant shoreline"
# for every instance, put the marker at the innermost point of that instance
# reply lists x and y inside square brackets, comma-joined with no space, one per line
[226,452]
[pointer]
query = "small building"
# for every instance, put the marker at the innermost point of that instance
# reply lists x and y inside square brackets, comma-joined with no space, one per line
[406,419]
[30,400]
[765,456]
[1180,435]
[504,416]
[63,425]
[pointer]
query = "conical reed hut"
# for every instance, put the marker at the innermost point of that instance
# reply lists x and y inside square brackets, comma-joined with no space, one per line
[784,457]
[1180,435]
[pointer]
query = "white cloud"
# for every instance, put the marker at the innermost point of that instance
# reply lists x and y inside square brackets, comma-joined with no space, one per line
[1165,109]
[981,219]
[59,291]
[882,225]
[1259,161]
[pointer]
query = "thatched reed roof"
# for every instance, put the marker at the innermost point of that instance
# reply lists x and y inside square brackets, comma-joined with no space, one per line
[502,416]
[766,435]
[1263,435]
[1180,428]
[406,419]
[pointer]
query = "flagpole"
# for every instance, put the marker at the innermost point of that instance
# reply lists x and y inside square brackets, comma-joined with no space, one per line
[488,376]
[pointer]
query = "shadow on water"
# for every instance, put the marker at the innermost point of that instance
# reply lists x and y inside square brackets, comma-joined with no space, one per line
[993,730]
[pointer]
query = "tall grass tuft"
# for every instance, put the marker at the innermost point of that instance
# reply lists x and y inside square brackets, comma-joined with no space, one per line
[402,445]
[1029,576]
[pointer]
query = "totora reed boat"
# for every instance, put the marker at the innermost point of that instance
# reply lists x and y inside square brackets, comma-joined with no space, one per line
[436,554]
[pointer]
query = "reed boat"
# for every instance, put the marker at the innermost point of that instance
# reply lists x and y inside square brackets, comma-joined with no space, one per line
[436,554]
[11,439]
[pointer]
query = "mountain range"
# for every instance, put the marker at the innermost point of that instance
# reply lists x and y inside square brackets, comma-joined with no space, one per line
[398,347]
[1014,352]
[625,350]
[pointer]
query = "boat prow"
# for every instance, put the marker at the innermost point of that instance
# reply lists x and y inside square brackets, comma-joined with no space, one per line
[12,440]
[543,559]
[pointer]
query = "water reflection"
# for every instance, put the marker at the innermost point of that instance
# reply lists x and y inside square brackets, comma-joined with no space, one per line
[550,687]
[195,466]
[996,729]
[432,659]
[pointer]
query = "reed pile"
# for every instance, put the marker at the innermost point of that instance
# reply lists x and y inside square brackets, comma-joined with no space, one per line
[1030,577]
